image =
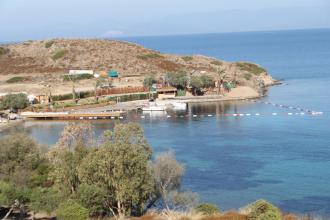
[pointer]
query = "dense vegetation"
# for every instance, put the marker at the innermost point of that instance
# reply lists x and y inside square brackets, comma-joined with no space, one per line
[114,177]
[250,67]
[16,79]
[14,101]
[59,54]
[77,77]
[149,56]
[177,79]
[49,44]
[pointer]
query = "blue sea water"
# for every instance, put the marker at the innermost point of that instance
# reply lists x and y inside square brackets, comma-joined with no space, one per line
[232,161]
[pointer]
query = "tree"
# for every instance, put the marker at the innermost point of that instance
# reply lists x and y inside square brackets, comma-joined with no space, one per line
[178,80]
[46,199]
[70,150]
[263,210]
[167,173]
[120,166]
[70,210]
[14,101]
[208,209]
[74,134]
[207,81]
[149,81]
[94,198]
[20,159]
[221,77]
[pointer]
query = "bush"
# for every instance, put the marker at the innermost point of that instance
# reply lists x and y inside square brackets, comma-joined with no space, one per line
[59,54]
[16,79]
[3,51]
[94,198]
[131,97]
[250,67]
[49,44]
[78,77]
[187,58]
[247,76]
[70,210]
[208,209]
[216,62]
[263,210]
[14,101]
[149,56]
[148,81]
[178,80]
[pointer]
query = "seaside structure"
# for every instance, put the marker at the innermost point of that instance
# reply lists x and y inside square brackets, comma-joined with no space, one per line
[166,92]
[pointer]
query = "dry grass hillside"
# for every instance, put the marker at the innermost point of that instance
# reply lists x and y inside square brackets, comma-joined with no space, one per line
[44,62]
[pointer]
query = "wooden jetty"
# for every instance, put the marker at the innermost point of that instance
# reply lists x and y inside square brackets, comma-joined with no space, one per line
[72,115]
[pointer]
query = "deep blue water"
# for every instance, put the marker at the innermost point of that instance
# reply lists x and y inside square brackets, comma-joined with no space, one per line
[232,161]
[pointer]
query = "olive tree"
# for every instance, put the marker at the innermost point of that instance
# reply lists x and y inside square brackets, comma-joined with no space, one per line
[20,159]
[68,153]
[120,166]
[167,172]
[178,80]
[15,101]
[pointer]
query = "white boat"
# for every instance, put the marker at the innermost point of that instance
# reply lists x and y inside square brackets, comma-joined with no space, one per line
[153,107]
[179,105]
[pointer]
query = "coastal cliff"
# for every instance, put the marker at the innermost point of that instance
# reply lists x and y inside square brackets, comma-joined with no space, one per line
[44,62]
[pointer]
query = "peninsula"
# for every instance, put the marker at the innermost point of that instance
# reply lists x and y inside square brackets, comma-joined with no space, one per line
[32,66]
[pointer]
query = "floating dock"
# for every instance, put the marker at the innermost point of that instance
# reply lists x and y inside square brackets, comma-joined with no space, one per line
[72,115]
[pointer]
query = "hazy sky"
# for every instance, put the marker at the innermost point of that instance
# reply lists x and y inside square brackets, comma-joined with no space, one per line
[38,19]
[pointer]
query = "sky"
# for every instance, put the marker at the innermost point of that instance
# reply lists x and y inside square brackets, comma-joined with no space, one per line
[44,19]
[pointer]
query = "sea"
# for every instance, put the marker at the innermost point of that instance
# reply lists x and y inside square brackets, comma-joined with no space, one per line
[237,152]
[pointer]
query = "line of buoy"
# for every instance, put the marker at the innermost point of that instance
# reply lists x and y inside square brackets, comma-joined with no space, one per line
[283,106]
[241,115]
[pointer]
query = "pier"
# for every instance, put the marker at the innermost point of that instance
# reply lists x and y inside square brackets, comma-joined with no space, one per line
[72,115]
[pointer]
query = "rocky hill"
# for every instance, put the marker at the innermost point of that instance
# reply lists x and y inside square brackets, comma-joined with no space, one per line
[42,62]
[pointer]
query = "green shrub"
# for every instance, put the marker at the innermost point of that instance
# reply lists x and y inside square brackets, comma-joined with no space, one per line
[181,92]
[216,62]
[3,51]
[93,197]
[15,101]
[187,58]
[178,79]
[78,77]
[250,67]
[49,44]
[62,97]
[263,210]
[16,79]
[149,81]
[71,210]
[149,56]
[131,97]
[46,199]
[208,209]
[59,54]
[9,193]
[247,76]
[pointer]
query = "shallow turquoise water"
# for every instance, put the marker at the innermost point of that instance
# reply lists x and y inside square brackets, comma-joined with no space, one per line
[232,161]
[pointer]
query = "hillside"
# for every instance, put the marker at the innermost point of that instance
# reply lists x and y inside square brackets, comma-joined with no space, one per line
[43,63]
